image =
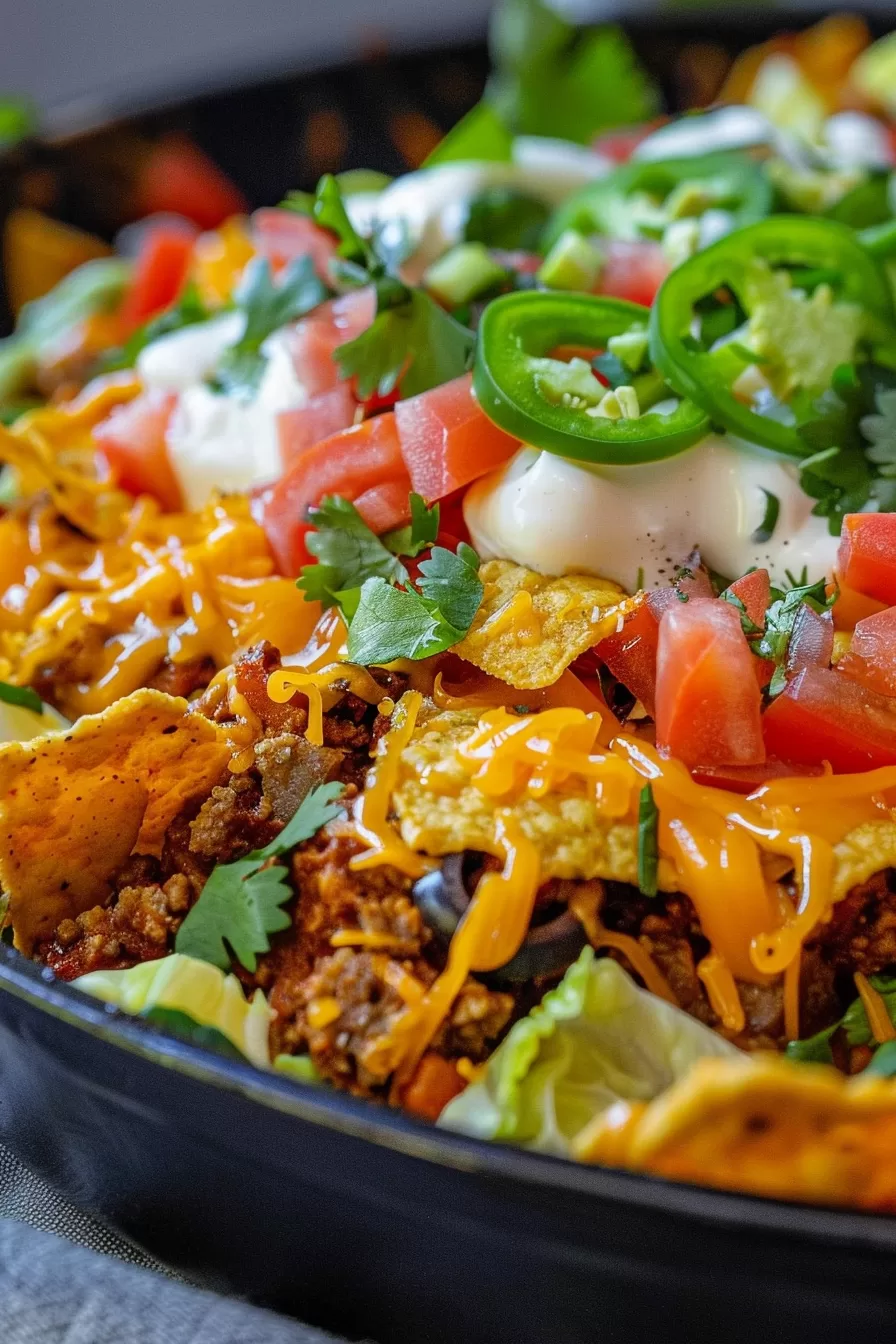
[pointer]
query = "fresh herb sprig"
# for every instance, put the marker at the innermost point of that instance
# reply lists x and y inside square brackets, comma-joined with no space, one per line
[648,843]
[267,306]
[241,904]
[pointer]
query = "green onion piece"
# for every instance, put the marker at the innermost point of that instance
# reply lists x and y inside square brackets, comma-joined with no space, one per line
[648,843]
[572,263]
[21,695]
[769,522]
[462,274]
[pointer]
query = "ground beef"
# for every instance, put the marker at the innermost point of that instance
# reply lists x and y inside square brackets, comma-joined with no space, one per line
[183,678]
[234,819]
[139,926]
[477,1020]
[861,933]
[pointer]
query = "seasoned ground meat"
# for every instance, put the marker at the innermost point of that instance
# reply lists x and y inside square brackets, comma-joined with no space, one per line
[183,678]
[234,819]
[139,926]
[861,933]
[477,1020]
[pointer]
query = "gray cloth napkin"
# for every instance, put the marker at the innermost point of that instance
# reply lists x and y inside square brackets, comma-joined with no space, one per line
[73,1291]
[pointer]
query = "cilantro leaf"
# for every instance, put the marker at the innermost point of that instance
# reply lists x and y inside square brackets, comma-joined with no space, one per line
[552,79]
[326,208]
[420,532]
[880,431]
[480,135]
[267,307]
[241,904]
[21,695]
[779,622]
[395,623]
[347,552]
[817,1048]
[852,450]
[413,341]
[451,580]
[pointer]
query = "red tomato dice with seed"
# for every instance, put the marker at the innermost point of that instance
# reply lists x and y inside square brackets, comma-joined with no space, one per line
[132,441]
[822,715]
[447,440]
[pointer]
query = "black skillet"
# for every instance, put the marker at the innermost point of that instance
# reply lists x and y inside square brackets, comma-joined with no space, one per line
[351,1216]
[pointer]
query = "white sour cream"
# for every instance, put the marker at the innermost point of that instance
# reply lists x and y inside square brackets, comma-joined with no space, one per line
[183,358]
[223,443]
[432,203]
[556,516]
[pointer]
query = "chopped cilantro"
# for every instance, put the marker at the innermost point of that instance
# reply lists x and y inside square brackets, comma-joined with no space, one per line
[348,553]
[766,529]
[780,619]
[21,695]
[851,438]
[553,79]
[412,341]
[505,218]
[241,904]
[327,208]
[480,135]
[648,842]
[854,1022]
[267,307]
[420,532]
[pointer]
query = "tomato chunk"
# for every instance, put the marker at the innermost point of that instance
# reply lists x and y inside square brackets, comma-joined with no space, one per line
[746,778]
[630,654]
[283,236]
[179,178]
[132,441]
[314,340]
[160,273]
[707,696]
[812,640]
[824,716]
[323,415]
[447,440]
[354,463]
[867,556]
[872,657]
[851,607]
[632,270]
[755,591]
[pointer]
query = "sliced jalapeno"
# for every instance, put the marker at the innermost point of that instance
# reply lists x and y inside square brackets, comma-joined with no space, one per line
[513,379]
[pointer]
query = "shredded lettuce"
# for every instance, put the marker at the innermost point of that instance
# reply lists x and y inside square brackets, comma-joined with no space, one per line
[595,1039]
[196,989]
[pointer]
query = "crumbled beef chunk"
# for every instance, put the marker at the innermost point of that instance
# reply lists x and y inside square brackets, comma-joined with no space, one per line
[477,1019]
[140,926]
[290,767]
[183,678]
[252,671]
[234,819]
[861,933]
[179,857]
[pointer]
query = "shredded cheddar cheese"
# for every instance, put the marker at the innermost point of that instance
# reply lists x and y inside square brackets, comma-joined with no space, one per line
[879,1021]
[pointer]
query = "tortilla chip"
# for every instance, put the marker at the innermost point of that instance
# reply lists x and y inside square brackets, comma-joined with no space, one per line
[572,838]
[75,804]
[763,1124]
[529,628]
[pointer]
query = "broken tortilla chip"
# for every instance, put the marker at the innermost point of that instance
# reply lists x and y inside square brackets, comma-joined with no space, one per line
[763,1124]
[75,804]
[529,628]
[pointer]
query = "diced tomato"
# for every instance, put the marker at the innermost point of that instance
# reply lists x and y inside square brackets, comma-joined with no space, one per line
[447,440]
[179,178]
[746,778]
[632,270]
[354,463]
[812,640]
[283,236]
[621,144]
[754,590]
[693,583]
[160,273]
[630,654]
[451,518]
[867,556]
[824,716]
[872,656]
[433,1085]
[132,440]
[707,697]
[314,340]
[321,416]
[852,607]
[385,506]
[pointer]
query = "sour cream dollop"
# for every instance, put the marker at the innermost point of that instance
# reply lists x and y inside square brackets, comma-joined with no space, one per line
[556,516]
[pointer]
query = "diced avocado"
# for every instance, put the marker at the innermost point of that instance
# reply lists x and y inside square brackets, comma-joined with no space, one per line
[574,262]
[463,274]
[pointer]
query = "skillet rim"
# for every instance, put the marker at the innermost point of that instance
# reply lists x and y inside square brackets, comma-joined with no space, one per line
[37,987]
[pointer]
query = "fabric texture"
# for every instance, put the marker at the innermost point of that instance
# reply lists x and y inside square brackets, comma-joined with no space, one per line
[81,1291]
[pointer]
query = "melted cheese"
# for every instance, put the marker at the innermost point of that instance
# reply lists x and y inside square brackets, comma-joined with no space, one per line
[371,809]
[879,1020]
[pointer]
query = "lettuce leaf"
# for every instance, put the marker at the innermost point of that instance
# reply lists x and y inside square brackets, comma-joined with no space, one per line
[197,990]
[593,1040]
